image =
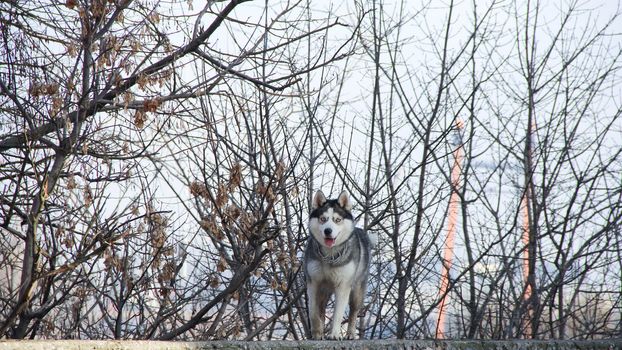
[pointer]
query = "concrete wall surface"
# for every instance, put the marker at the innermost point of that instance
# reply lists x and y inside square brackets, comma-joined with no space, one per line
[388,344]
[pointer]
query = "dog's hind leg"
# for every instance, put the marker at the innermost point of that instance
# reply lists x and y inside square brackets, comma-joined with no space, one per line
[356,301]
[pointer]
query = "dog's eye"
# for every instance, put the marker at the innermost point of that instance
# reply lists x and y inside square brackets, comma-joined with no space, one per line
[323,219]
[337,220]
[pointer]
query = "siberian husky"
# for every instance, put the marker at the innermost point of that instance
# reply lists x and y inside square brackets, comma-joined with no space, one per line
[336,261]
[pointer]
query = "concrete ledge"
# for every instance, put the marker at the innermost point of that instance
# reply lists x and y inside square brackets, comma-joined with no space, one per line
[389,344]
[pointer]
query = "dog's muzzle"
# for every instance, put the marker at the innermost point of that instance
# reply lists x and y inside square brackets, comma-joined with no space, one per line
[329,241]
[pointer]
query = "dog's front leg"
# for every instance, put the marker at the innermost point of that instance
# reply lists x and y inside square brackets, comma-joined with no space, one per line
[341,300]
[316,315]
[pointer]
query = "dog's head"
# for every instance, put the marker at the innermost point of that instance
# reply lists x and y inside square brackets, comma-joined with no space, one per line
[331,222]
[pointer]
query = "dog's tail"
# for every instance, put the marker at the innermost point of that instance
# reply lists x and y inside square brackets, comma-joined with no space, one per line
[373,239]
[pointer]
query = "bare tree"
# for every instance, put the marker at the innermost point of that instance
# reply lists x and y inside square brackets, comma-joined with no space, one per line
[157,161]
[525,109]
[92,115]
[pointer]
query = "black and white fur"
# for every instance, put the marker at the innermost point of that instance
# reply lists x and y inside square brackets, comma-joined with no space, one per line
[336,261]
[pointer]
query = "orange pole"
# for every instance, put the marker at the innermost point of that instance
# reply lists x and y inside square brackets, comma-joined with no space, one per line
[526,228]
[525,239]
[525,219]
[452,215]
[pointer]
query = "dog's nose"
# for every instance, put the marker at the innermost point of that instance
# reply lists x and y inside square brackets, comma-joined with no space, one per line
[328,231]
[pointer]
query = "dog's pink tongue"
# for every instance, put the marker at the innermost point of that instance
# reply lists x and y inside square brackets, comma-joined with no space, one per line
[329,242]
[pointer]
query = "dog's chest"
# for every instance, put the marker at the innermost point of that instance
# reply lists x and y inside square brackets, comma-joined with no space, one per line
[336,275]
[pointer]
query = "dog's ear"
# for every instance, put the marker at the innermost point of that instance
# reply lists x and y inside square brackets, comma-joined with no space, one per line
[344,200]
[318,200]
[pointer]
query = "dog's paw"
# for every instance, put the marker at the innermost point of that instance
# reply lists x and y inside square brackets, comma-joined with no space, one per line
[335,337]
